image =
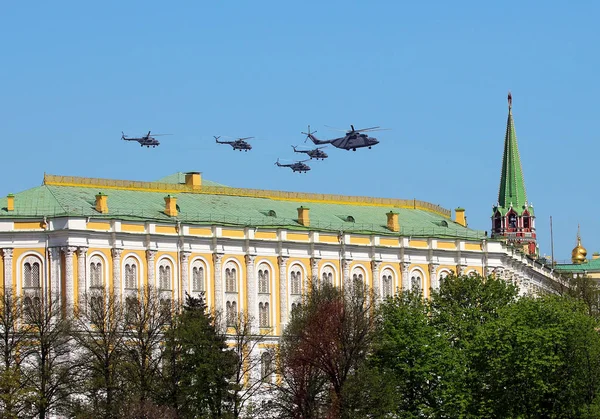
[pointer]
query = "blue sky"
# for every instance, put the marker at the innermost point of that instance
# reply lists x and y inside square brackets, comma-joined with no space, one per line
[76,74]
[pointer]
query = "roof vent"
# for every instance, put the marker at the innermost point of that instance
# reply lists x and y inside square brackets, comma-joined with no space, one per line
[193,180]
[10,202]
[272,213]
[102,203]
[350,219]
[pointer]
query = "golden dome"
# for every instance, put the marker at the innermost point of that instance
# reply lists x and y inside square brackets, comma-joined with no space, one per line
[579,253]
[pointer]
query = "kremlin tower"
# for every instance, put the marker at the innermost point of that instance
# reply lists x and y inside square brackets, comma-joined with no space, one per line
[513,219]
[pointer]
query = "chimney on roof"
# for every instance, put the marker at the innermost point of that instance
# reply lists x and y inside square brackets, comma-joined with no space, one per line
[10,202]
[304,216]
[193,179]
[171,206]
[392,221]
[102,203]
[460,217]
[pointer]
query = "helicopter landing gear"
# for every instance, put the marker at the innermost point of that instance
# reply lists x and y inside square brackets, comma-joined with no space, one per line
[353,149]
[369,147]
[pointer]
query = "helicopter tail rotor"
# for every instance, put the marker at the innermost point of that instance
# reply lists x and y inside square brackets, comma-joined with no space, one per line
[122,135]
[217,138]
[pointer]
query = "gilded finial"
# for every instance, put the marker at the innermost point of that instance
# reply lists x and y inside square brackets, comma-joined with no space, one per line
[579,253]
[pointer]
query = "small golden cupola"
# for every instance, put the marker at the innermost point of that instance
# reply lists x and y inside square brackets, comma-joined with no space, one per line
[578,255]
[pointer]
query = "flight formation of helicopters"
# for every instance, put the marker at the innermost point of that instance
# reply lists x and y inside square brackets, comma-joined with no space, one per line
[352,140]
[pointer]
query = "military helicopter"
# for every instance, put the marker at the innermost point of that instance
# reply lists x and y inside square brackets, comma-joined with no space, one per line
[351,141]
[237,144]
[315,153]
[298,166]
[147,140]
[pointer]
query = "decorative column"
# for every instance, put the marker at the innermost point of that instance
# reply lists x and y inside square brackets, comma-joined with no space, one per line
[217,259]
[375,265]
[81,276]
[7,258]
[433,278]
[184,257]
[314,270]
[346,273]
[405,280]
[283,292]
[54,257]
[252,292]
[150,254]
[69,251]
[116,261]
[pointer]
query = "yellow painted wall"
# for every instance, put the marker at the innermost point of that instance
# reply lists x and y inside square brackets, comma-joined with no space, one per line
[360,240]
[328,238]
[166,230]
[419,243]
[389,242]
[473,246]
[28,225]
[238,234]
[265,235]
[98,225]
[133,228]
[446,245]
[195,231]
[302,237]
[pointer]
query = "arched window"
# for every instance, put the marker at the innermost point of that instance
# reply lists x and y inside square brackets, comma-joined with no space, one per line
[131,274]
[415,281]
[263,280]
[443,274]
[295,306]
[198,276]
[266,366]
[497,222]
[358,277]
[512,220]
[327,275]
[96,274]
[263,315]
[230,278]
[295,282]
[165,307]
[165,279]
[526,220]
[387,284]
[31,273]
[96,310]
[231,313]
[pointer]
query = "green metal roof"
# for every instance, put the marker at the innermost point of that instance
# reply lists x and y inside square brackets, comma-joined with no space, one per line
[592,265]
[207,209]
[512,183]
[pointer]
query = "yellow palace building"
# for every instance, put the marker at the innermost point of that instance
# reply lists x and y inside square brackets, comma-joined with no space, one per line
[249,250]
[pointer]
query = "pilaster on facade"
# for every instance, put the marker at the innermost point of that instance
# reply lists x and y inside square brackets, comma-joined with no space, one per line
[346,272]
[314,268]
[81,276]
[375,266]
[433,276]
[7,259]
[54,258]
[404,266]
[252,292]
[150,257]
[69,251]
[218,259]
[184,258]
[283,291]
[116,264]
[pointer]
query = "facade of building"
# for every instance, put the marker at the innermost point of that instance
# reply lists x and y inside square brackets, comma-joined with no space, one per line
[252,250]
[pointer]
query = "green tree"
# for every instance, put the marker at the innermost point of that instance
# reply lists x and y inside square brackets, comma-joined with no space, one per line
[200,364]
[539,358]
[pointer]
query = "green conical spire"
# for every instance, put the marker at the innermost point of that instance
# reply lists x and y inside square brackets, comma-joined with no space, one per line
[512,184]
